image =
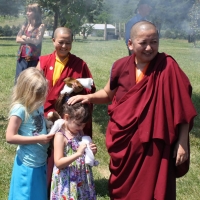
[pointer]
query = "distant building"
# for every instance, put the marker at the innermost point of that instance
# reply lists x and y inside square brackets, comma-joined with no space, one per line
[48,33]
[98,30]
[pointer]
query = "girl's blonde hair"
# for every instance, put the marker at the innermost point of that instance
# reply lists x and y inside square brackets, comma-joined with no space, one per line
[30,90]
[38,13]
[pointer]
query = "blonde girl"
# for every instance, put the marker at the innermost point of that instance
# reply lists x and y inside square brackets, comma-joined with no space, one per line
[27,129]
[30,38]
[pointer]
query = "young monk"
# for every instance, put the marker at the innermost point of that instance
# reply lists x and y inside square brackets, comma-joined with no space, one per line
[56,67]
[150,117]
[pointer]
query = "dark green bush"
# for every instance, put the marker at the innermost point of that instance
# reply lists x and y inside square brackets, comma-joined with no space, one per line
[7,31]
[15,30]
[1,31]
[169,34]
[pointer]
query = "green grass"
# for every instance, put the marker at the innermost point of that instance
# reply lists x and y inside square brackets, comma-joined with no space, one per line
[9,20]
[100,56]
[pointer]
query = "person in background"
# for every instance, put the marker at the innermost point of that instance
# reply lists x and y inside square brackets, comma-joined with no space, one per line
[151,115]
[27,129]
[144,8]
[30,38]
[57,66]
[72,178]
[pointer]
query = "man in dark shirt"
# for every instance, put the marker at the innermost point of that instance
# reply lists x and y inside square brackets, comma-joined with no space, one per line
[144,7]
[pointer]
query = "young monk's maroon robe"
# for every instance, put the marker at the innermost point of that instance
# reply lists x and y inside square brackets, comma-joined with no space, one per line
[143,129]
[75,68]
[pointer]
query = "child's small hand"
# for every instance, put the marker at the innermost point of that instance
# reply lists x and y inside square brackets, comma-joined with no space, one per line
[81,148]
[93,147]
[44,139]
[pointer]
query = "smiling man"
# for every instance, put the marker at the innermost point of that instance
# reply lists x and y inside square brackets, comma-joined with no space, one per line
[56,67]
[144,8]
[151,115]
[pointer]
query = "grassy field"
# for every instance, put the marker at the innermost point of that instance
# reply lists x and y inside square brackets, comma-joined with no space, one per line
[100,55]
[8,20]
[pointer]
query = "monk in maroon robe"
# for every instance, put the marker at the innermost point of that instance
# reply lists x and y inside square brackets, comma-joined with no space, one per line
[73,67]
[150,118]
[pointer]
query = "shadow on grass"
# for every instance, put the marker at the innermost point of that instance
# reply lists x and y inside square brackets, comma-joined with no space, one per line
[196,128]
[3,121]
[100,116]
[101,186]
[8,38]
[8,55]
[9,45]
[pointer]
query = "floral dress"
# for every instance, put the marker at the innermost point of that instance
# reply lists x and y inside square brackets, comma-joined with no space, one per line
[75,182]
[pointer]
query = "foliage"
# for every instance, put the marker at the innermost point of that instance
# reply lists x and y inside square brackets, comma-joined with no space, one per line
[7,31]
[1,31]
[10,7]
[116,11]
[170,14]
[15,30]
[72,14]
[174,34]
[194,17]
[86,30]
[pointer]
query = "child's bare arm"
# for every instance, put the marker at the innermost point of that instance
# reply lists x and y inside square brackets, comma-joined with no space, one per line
[59,159]
[13,137]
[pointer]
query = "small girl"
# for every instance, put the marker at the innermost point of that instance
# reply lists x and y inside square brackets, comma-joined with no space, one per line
[30,37]
[27,128]
[71,177]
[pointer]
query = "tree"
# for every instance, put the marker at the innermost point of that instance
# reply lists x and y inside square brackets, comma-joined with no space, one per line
[10,7]
[7,31]
[170,14]
[71,13]
[116,12]
[194,16]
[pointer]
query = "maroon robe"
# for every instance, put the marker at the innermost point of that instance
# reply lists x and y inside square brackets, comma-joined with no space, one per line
[143,129]
[75,68]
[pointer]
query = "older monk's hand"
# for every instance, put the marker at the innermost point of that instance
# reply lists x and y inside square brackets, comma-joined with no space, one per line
[79,98]
[181,153]
[181,150]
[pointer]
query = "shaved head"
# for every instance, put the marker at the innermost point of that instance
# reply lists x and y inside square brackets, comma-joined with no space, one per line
[144,42]
[142,26]
[63,30]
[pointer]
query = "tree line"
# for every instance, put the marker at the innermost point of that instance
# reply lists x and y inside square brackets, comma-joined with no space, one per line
[173,16]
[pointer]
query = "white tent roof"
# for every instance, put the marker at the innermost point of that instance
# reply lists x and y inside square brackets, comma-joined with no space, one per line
[100,26]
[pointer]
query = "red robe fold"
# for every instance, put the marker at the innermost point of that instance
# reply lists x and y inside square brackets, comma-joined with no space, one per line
[143,128]
[75,68]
